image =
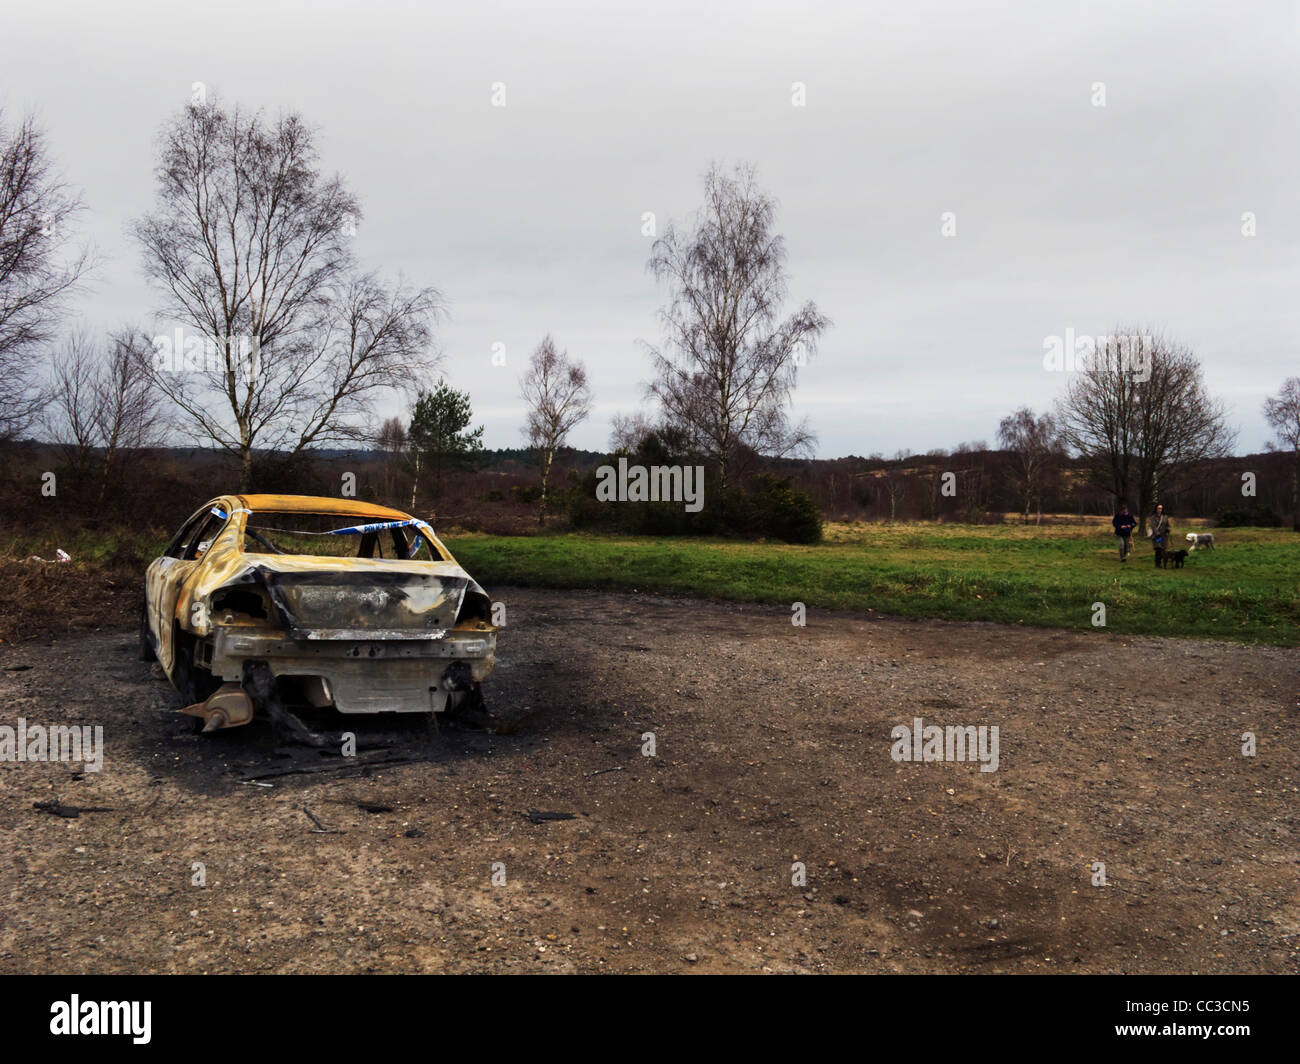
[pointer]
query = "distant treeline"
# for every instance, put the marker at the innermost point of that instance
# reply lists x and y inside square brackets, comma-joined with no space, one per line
[43,484]
[980,485]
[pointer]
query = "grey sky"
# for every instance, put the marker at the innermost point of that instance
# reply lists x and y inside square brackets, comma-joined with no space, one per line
[528,217]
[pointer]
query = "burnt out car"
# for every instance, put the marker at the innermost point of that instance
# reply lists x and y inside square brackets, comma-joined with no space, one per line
[264,603]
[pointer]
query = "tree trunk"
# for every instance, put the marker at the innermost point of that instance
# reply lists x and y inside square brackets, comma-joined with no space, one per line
[245,467]
[1295,493]
[1148,496]
[547,458]
[415,483]
[109,454]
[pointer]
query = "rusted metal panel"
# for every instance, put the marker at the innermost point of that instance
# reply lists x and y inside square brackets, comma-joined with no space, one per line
[318,504]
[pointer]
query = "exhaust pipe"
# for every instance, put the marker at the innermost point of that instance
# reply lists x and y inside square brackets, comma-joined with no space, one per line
[227,707]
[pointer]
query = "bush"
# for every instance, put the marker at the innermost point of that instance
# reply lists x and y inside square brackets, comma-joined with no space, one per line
[1254,517]
[770,508]
[779,511]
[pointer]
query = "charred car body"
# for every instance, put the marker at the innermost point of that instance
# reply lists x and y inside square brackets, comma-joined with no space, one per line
[263,602]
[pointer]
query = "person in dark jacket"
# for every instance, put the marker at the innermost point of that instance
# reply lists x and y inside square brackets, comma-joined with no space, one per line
[1161,530]
[1124,523]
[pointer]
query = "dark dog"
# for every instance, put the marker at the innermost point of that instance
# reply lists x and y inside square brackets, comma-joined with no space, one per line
[1176,557]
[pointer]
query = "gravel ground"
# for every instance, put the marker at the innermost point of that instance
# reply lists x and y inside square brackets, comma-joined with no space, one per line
[772,751]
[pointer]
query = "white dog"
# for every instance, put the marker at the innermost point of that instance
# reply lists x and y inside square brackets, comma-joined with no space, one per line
[1204,539]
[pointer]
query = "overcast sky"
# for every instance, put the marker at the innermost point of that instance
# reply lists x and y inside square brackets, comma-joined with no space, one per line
[528,217]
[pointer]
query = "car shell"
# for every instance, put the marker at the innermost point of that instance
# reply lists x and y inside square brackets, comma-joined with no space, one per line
[364,635]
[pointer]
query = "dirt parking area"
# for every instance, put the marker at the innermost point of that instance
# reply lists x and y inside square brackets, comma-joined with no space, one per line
[772,753]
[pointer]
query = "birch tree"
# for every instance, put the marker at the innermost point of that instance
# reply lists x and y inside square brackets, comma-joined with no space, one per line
[38,267]
[285,343]
[558,398]
[729,362]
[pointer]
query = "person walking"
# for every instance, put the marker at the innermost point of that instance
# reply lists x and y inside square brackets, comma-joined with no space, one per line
[1160,532]
[1124,523]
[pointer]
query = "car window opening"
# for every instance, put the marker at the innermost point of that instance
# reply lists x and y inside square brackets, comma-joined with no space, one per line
[320,535]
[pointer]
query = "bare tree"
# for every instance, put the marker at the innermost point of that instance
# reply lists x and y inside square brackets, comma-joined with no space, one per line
[36,275]
[251,246]
[932,484]
[1098,416]
[102,399]
[1282,411]
[974,485]
[894,477]
[890,480]
[628,430]
[895,481]
[128,417]
[729,363]
[1141,417]
[558,399]
[392,443]
[69,414]
[1035,444]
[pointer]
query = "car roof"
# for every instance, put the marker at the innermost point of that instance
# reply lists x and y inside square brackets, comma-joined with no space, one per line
[318,504]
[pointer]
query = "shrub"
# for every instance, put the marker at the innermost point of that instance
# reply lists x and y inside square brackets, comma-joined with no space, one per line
[769,508]
[779,511]
[1255,517]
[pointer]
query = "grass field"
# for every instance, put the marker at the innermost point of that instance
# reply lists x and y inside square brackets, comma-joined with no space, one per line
[1246,591]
